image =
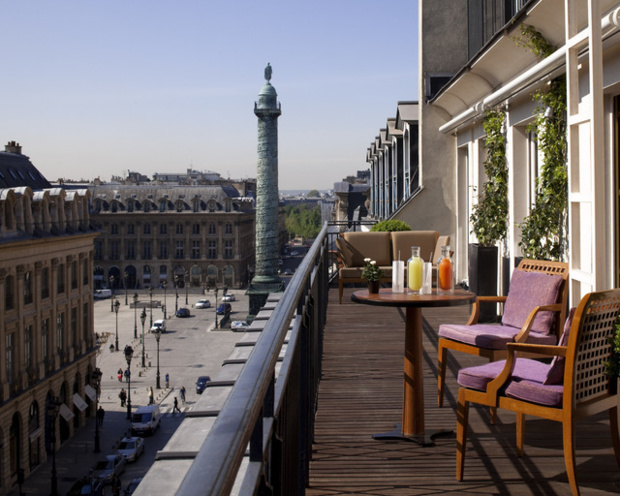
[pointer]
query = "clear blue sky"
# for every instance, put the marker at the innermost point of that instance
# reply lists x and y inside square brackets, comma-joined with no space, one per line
[95,88]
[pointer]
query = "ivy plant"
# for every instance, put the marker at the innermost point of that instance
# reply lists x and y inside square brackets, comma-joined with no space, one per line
[391,225]
[613,365]
[489,216]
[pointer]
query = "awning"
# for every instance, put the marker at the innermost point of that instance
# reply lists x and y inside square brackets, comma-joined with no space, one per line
[35,434]
[91,393]
[79,402]
[66,413]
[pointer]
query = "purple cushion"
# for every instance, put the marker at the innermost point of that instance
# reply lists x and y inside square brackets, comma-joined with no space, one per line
[535,392]
[527,291]
[478,377]
[556,371]
[490,336]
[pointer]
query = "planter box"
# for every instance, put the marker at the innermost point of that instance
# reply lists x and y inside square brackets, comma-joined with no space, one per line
[483,278]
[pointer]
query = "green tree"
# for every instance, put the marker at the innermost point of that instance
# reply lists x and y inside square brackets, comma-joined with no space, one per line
[313,193]
[303,221]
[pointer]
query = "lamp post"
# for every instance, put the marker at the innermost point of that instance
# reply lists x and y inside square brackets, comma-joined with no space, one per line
[186,281]
[165,299]
[52,410]
[216,307]
[96,376]
[151,304]
[126,274]
[157,337]
[143,319]
[135,315]
[116,305]
[112,279]
[128,356]
[176,290]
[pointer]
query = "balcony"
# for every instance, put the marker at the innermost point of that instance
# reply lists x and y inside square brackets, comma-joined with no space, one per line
[300,419]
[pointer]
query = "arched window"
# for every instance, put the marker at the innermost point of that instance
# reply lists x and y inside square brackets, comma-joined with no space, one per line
[162,205]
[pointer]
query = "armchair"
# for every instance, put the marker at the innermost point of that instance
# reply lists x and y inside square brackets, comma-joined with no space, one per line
[538,291]
[573,386]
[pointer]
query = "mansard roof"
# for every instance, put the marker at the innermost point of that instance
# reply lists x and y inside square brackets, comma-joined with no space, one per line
[16,170]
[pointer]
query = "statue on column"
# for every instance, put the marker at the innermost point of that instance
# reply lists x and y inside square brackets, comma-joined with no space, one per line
[268,72]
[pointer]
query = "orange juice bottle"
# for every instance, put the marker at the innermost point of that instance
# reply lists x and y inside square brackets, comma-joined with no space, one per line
[414,270]
[445,272]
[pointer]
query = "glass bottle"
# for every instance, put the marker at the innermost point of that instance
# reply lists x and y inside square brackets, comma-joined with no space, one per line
[414,270]
[445,271]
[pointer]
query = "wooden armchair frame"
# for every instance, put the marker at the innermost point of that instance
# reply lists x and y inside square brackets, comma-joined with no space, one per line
[527,265]
[587,389]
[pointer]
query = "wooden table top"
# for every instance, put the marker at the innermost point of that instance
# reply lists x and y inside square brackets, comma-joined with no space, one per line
[386,297]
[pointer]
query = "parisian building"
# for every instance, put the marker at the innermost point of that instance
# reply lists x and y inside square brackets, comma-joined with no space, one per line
[48,344]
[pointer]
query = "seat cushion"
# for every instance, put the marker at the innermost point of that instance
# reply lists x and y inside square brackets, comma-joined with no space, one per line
[491,336]
[535,392]
[478,377]
[527,291]
[556,371]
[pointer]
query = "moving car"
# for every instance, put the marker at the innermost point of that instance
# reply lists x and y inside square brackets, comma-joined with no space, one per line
[288,272]
[201,383]
[239,325]
[159,325]
[203,303]
[131,448]
[106,468]
[183,312]
[145,420]
[228,297]
[102,294]
[224,308]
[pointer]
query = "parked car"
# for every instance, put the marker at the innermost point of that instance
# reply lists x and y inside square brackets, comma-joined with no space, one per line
[228,297]
[224,308]
[84,485]
[201,383]
[159,325]
[204,303]
[102,294]
[106,468]
[131,448]
[132,486]
[288,272]
[239,325]
[183,312]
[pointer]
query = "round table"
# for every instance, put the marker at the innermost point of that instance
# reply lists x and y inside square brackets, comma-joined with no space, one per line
[413,399]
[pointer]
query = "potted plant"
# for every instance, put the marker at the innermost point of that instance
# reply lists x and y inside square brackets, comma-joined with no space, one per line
[489,216]
[391,225]
[613,365]
[372,273]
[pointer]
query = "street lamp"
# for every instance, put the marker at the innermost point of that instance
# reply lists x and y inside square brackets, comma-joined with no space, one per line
[112,279]
[135,315]
[116,305]
[165,299]
[186,280]
[157,336]
[151,305]
[96,377]
[128,356]
[216,306]
[126,274]
[53,408]
[176,289]
[142,319]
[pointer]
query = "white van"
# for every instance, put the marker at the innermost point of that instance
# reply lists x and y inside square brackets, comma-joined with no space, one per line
[145,420]
[158,325]
[102,294]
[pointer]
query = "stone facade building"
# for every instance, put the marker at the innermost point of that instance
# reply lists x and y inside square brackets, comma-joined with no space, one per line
[47,342]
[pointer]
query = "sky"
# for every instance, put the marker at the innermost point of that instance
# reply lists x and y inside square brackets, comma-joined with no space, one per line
[94,88]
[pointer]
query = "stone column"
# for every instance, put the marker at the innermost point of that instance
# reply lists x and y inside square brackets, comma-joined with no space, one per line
[266,279]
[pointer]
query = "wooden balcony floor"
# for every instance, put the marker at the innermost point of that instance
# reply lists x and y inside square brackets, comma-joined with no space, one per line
[361,394]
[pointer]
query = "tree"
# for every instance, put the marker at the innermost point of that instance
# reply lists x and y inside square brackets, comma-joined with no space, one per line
[313,193]
[303,221]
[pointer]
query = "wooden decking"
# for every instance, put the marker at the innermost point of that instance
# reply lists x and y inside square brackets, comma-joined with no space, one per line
[361,394]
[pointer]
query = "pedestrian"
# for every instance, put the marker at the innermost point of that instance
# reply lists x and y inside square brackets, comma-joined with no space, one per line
[116,486]
[176,405]
[120,375]
[183,394]
[151,395]
[100,415]
[123,396]
[167,381]
[127,375]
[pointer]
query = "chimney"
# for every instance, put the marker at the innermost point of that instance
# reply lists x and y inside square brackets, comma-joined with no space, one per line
[13,147]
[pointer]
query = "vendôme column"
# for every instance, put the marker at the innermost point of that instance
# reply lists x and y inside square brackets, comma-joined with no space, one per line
[266,279]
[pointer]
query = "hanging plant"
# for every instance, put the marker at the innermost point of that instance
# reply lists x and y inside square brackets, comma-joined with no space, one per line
[491,212]
[534,41]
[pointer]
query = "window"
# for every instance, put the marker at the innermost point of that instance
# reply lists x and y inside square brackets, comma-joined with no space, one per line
[212,228]
[74,326]
[146,250]
[130,250]
[163,229]
[228,248]
[229,229]
[85,273]
[60,281]
[146,207]
[60,330]
[45,282]
[195,249]
[180,252]
[162,205]
[130,229]
[8,358]
[114,250]
[114,229]
[130,206]
[27,288]
[163,250]
[212,206]
[9,292]
[195,228]
[74,276]
[146,229]
[27,346]
[212,253]
[228,206]
[179,228]
[85,323]
[45,324]
[196,205]
[98,250]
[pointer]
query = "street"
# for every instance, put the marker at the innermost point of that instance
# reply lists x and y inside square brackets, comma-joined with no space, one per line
[189,348]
